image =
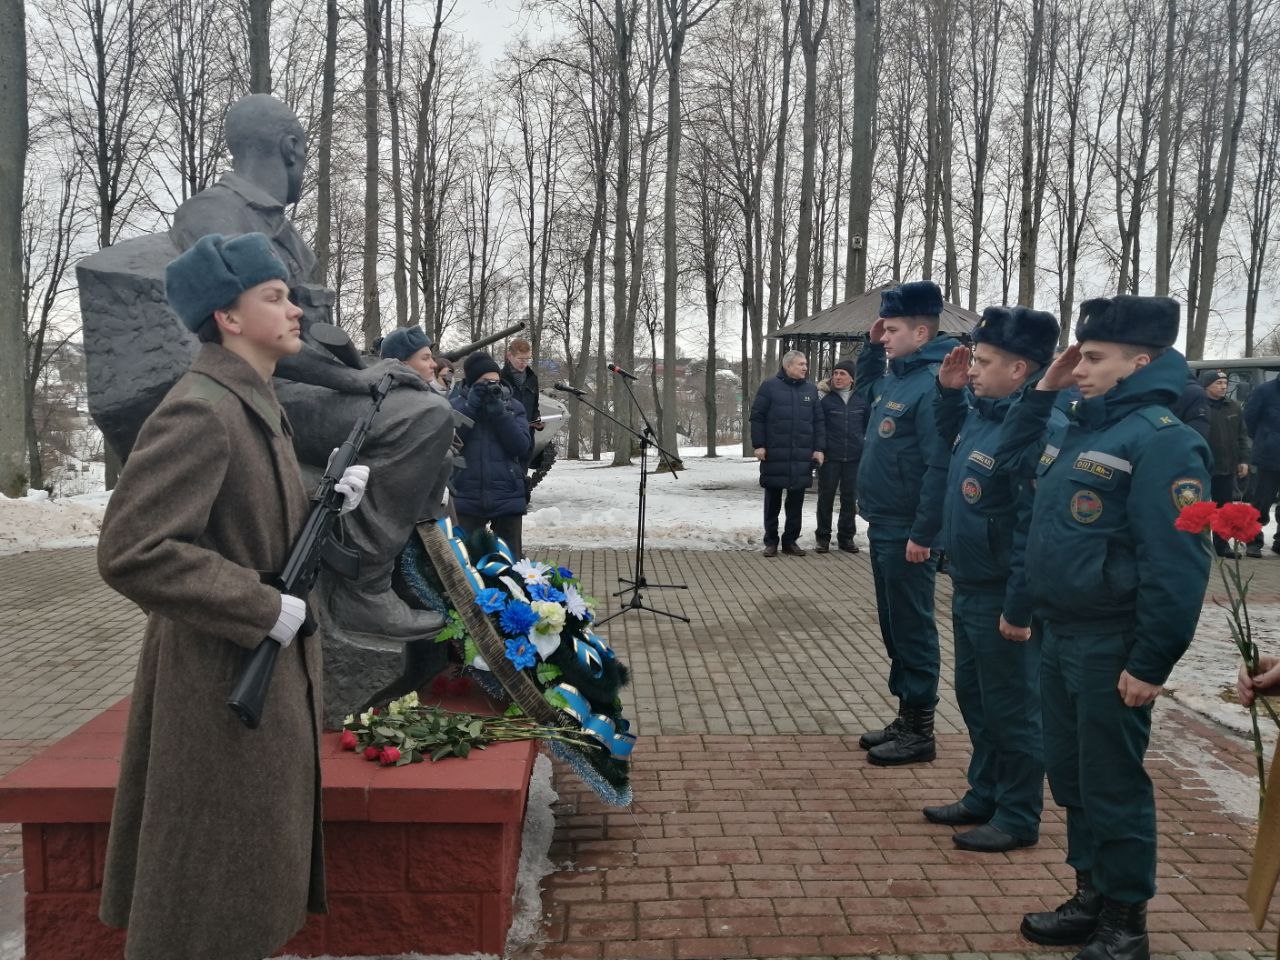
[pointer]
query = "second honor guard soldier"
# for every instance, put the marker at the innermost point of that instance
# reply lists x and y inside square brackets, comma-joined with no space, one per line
[997,668]
[901,479]
[1119,591]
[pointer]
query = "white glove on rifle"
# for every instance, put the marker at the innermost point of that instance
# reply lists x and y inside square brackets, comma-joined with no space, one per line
[351,484]
[293,613]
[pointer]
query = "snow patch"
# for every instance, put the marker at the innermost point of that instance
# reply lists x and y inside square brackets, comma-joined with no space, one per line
[38,522]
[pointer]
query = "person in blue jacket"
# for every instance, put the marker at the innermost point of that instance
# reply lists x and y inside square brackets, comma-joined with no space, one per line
[787,433]
[1119,591]
[844,413]
[997,648]
[489,490]
[900,482]
[1262,418]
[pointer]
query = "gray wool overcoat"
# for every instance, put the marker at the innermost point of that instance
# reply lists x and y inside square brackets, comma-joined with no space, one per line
[215,845]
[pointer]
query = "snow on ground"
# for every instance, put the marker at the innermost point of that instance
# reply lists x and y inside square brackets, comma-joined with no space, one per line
[35,522]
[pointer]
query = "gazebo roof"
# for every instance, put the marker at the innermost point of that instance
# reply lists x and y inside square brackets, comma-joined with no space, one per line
[852,320]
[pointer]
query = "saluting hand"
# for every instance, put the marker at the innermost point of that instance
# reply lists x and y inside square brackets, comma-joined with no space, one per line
[954,372]
[1135,692]
[1058,376]
[876,331]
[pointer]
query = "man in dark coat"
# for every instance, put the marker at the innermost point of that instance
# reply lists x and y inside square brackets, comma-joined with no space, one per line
[1229,444]
[490,489]
[1192,406]
[1262,418]
[844,415]
[788,434]
[215,846]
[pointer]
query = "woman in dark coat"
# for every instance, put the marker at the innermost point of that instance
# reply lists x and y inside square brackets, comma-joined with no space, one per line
[490,489]
[788,434]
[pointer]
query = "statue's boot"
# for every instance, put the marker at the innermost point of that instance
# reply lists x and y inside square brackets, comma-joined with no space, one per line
[368,607]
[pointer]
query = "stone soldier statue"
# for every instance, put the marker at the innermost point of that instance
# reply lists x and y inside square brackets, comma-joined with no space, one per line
[408,447]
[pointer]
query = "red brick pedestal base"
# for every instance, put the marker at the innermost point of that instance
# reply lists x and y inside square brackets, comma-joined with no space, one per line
[419,858]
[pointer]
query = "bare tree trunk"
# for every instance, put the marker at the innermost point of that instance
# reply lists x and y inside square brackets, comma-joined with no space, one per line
[1239,42]
[862,144]
[371,321]
[810,41]
[324,164]
[984,58]
[779,184]
[259,46]
[624,13]
[1164,197]
[1026,222]
[391,58]
[14,398]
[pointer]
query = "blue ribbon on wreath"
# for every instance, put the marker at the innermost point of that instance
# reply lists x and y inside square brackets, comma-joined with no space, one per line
[613,736]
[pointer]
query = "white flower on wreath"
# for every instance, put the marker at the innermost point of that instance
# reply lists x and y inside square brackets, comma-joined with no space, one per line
[550,617]
[532,571]
[545,643]
[575,603]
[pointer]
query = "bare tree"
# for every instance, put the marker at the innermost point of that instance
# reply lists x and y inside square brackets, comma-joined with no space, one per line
[1262,145]
[862,142]
[324,162]
[392,59]
[1028,221]
[371,320]
[811,29]
[258,15]
[779,192]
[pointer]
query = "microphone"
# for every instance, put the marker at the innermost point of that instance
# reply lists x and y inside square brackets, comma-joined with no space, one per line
[614,368]
[568,389]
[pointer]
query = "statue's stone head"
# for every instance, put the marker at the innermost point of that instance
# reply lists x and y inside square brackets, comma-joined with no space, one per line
[262,132]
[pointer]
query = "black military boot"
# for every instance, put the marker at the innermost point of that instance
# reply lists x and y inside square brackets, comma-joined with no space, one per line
[873,738]
[1121,933]
[1073,922]
[914,745]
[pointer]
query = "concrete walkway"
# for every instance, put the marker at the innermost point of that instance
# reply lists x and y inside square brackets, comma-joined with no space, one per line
[758,830]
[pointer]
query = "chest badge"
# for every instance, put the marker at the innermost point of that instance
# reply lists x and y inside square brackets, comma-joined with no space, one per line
[1186,491]
[887,426]
[1086,506]
[971,490]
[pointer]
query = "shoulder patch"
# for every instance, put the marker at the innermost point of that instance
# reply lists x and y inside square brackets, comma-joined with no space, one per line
[982,459]
[200,386]
[1186,491]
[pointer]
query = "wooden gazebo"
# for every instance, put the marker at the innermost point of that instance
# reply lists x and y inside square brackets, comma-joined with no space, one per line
[821,336]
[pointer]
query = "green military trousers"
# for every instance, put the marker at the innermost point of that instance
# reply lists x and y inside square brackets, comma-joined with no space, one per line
[1093,749]
[998,688]
[904,603]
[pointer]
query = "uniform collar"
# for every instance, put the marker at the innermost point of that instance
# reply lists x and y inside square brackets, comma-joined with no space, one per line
[218,363]
[250,192]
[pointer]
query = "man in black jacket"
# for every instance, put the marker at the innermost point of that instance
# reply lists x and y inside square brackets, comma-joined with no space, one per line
[845,417]
[517,373]
[1229,443]
[788,434]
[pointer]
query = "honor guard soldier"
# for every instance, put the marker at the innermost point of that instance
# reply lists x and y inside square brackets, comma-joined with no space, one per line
[901,480]
[986,513]
[1119,591]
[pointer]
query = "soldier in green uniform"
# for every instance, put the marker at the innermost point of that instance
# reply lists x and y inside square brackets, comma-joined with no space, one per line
[902,476]
[985,517]
[1119,591]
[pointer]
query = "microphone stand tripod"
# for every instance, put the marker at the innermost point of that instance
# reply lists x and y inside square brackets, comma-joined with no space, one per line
[637,586]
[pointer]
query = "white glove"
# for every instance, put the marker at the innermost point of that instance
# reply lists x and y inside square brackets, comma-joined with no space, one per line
[351,486]
[293,613]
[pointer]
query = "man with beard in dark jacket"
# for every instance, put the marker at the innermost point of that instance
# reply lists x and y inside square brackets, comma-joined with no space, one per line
[788,434]
[1229,443]
[490,490]
[845,417]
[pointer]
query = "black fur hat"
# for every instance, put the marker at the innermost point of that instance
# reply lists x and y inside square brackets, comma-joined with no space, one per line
[919,299]
[1142,321]
[1028,333]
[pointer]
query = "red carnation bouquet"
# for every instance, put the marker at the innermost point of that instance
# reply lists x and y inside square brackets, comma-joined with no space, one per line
[1238,523]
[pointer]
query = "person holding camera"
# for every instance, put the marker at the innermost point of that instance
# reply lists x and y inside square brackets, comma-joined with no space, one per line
[489,489]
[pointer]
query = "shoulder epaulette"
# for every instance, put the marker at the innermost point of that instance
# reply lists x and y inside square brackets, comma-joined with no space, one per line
[1159,417]
[201,386]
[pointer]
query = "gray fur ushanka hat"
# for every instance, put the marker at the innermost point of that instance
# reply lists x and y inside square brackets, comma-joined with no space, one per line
[215,271]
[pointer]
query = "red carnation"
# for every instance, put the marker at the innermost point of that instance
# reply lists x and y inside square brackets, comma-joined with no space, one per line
[388,756]
[1196,516]
[371,753]
[1236,521]
[348,740]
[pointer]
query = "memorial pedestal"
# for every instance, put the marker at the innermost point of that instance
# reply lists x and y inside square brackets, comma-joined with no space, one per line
[420,858]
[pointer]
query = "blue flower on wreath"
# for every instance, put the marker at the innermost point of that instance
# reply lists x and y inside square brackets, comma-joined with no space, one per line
[521,653]
[565,573]
[518,619]
[544,591]
[491,600]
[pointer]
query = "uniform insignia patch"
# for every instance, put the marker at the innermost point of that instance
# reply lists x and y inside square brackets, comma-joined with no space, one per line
[1096,468]
[971,490]
[982,460]
[1047,458]
[895,405]
[1086,506]
[887,426]
[1166,420]
[1186,491]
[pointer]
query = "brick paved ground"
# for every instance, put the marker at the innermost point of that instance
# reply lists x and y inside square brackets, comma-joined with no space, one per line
[758,828]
